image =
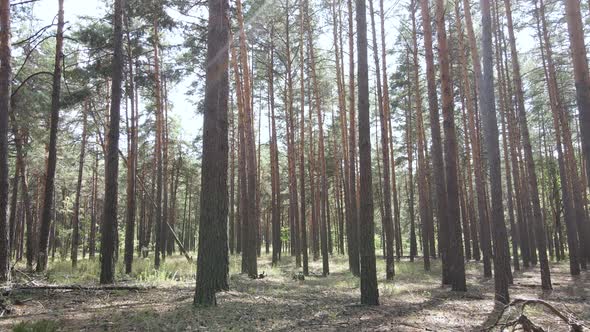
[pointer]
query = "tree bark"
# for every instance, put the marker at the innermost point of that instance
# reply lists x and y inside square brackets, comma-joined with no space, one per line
[75,217]
[559,127]
[132,158]
[454,241]
[423,171]
[274,162]
[438,174]
[109,226]
[352,229]
[490,126]
[302,213]
[52,148]
[323,192]
[249,260]
[213,260]
[384,118]
[369,290]
[5,109]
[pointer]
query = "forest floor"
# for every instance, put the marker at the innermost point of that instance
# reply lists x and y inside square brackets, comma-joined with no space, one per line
[414,301]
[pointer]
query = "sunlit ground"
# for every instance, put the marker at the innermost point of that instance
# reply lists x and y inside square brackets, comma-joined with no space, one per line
[413,301]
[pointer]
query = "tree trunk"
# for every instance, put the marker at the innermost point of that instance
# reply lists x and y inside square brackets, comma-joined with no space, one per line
[249,260]
[12,210]
[582,82]
[75,218]
[159,219]
[384,118]
[302,213]
[560,128]
[423,171]
[291,148]
[274,162]
[454,241]
[490,126]
[52,148]
[213,260]
[323,192]
[438,174]
[410,178]
[232,178]
[369,290]
[482,203]
[94,208]
[352,229]
[5,92]
[344,175]
[109,226]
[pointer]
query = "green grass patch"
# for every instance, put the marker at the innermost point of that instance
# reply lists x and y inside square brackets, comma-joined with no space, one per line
[44,325]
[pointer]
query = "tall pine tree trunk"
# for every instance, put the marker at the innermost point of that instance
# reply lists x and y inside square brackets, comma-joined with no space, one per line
[5,92]
[454,245]
[52,148]
[302,213]
[352,229]
[384,118]
[423,171]
[109,232]
[213,260]
[75,217]
[438,174]
[490,128]
[131,159]
[369,289]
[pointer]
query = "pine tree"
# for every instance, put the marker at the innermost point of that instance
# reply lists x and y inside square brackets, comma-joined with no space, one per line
[213,261]
[109,225]
[369,290]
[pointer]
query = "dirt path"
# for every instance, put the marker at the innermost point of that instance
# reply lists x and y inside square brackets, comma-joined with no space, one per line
[413,302]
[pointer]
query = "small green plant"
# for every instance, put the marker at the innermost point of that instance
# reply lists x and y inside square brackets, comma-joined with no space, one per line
[44,325]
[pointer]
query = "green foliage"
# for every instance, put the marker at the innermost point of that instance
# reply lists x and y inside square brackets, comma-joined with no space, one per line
[174,269]
[44,325]
[285,234]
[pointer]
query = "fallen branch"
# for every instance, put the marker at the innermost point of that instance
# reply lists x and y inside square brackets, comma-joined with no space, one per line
[527,324]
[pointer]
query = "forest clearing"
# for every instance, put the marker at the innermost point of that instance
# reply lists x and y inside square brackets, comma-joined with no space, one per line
[414,301]
[280,165]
